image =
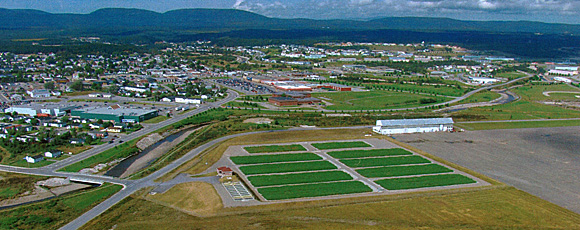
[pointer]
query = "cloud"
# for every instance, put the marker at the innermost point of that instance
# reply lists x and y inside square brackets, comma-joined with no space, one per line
[464,9]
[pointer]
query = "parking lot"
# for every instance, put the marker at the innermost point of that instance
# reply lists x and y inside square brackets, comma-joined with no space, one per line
[541,161]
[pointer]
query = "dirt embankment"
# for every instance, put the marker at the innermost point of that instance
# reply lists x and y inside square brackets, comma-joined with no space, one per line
[149,140]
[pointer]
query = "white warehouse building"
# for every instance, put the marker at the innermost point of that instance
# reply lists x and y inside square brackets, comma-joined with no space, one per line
[387,127]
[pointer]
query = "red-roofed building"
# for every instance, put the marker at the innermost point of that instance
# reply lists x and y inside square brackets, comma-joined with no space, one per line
[225,171]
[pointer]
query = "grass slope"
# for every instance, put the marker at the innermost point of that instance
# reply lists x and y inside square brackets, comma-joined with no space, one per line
[275,158]
[385,161]
[287,167]
[424,181]
[369,153]
[54,213]
[403,170]
[298,178]
[313,190]
[340,145]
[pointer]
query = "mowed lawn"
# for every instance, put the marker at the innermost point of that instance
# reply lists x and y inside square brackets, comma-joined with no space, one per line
[274,148]
[340,145]
[375,99]
[258,159]
[369,153]
[287,167]
[313,190]
[385,161]
[298,178]
[424,181]
[403,170]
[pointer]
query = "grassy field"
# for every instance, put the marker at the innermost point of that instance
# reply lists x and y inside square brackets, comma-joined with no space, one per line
[517,124]
[376,99]
[519,110]
[493,208]
[510,75]
[54,213]
[483,96]
[23,163]
[535,92]
[403,170]
[385,161]
[424,181]
[369,153]
[274,148]
[287,167]
[156,120]
[313,190]
[340,145]
[194,197]
[275,158]
[124,150]
[298,178]
[12,184]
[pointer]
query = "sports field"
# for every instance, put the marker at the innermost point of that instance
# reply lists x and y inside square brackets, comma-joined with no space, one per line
[376,167]
[369,153]
[287,167]
[258,159]
[403,170]
[340,145]
[313,190]
[274,148]
[376,99]
[298,178]
[385,161]
[424,181]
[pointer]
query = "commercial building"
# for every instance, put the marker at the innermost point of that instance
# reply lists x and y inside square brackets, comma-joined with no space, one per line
[115,113]
[483,80]
[39,93]
[387,127]
[40,110]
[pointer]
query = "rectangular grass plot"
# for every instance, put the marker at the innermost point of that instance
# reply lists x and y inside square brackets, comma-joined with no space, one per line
[403,170]
[340,145]
[258,159]
[369,153]
[298,178]
[313,190]
[424,181]
[385,161]
[287,167]
[274,148]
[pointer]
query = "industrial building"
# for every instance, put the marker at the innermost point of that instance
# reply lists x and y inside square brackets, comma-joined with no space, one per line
[387,127]
[40,110]
[115,113]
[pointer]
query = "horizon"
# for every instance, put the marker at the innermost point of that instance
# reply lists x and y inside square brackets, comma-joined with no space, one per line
[352,19]
[559,11]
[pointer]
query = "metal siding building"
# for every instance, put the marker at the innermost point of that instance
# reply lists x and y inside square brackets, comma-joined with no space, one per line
[387,127]
[116,115]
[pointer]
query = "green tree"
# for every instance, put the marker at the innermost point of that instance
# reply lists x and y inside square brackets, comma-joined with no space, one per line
[77,85]
[49,86]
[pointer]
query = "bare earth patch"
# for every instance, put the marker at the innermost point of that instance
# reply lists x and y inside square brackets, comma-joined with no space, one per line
[197,198]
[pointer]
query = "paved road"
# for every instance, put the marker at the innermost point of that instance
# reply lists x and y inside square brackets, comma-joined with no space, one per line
[146,130]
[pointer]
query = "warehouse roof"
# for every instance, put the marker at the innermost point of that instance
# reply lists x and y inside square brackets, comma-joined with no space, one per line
[414,122]
[119,111]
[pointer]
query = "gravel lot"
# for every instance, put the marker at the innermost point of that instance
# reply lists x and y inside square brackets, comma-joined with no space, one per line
[541,161]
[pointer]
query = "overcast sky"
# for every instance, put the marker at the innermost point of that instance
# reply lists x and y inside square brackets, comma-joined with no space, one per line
[565,11]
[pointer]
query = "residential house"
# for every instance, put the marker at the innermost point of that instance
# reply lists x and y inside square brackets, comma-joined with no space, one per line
[34,159]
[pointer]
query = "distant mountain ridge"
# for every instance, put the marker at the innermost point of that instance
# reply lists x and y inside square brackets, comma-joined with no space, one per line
[211,19]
